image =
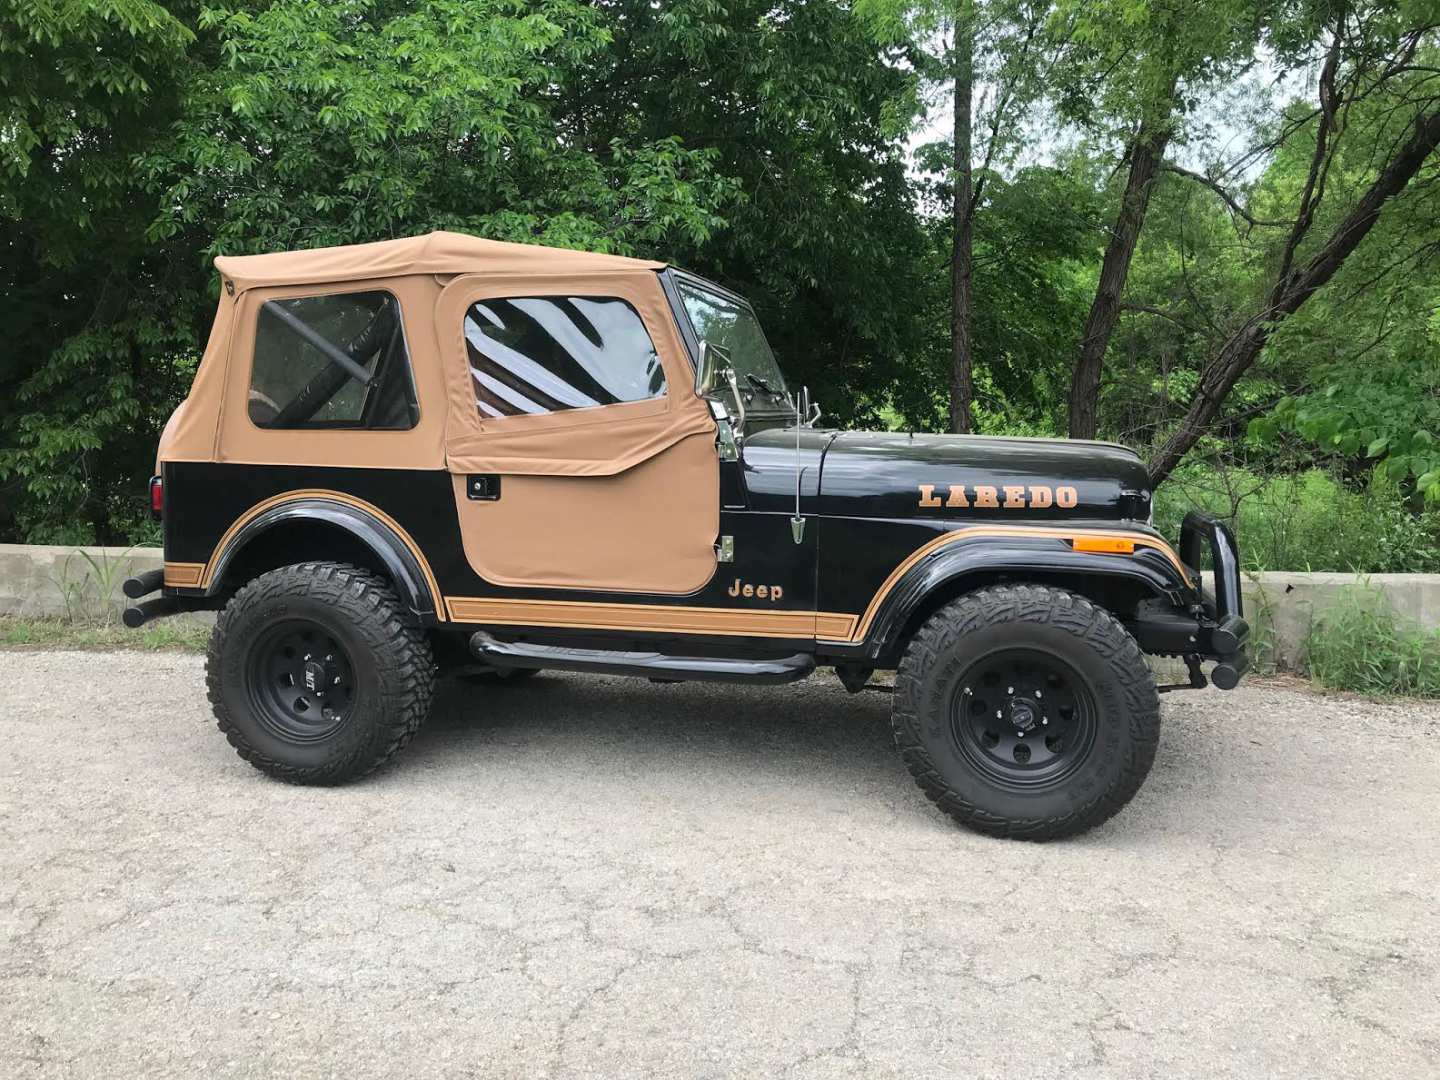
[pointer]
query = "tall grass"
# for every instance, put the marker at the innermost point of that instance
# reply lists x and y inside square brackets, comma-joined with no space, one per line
[1361,644]
[1307,520]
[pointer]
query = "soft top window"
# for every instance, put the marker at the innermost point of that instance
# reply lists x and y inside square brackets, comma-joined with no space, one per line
[336,361]
[540,354]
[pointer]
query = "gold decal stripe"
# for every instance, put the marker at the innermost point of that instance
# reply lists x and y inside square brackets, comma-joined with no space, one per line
[184,575]
[652,618]
[333,496]
[835,627]
[956,535]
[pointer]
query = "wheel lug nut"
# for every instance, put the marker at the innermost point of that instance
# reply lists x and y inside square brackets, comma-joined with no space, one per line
[1037,693]
[337,681]
[1009,689]
[999,714]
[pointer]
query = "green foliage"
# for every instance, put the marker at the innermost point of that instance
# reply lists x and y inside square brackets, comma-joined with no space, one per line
[1032,245]
[293,123]
[96,325]
[1374,389]
[1360,644]
[765,143]
[803,112]
[326,123]
[1307,520]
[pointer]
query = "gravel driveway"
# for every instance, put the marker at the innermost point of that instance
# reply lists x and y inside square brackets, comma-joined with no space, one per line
[597,877]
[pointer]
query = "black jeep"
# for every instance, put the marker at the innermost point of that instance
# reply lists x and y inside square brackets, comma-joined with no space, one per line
[444,452]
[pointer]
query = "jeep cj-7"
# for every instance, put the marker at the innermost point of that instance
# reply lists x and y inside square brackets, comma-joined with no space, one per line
[450,453]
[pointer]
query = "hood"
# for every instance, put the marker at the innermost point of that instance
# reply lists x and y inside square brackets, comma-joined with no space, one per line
[982,478]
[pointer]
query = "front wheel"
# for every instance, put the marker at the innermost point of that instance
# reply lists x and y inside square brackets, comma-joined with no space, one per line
[1026,711]
[314,675]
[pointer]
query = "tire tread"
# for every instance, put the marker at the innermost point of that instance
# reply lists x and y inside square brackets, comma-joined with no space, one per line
[1087,621]
[375,613]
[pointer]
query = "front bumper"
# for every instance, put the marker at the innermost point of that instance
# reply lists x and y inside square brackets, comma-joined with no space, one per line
[1214,626]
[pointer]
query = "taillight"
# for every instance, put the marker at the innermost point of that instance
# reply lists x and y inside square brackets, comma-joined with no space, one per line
[157,498]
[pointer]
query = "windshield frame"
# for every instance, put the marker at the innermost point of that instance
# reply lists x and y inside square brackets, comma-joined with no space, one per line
[757,402]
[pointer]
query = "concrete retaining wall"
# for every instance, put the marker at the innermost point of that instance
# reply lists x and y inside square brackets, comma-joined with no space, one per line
[79,583]
[1281,605]
[85,583]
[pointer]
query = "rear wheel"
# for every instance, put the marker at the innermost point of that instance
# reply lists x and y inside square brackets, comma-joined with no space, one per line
[1026,711]
[314,675]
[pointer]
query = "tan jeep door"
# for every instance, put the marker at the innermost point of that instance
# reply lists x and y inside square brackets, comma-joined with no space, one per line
[580,456]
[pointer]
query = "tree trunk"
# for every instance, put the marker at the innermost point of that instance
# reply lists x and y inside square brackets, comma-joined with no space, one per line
[962,357]
[1243,347]
[1147,151]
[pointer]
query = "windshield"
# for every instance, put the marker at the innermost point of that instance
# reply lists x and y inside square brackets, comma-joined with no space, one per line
[724,321]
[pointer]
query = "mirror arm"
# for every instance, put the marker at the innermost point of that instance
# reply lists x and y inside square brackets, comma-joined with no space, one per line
[739,401]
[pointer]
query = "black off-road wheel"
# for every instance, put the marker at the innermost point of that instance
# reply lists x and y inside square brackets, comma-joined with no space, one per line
[1026,711]
[314,675]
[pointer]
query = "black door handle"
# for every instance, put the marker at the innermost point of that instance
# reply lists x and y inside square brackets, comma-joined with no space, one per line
[485,488]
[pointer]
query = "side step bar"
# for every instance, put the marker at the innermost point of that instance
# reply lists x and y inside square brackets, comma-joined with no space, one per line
[658,666]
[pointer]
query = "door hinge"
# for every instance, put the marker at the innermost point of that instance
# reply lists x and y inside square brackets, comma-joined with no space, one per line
[725,549]
[725,441]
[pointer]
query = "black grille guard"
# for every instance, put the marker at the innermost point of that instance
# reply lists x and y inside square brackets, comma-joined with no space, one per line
[1199,528]
[1215,626]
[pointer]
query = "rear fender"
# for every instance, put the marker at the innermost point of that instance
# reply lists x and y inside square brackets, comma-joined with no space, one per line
[391,554]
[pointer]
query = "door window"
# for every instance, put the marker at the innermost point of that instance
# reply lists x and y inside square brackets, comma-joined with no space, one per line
[542,354]
[335,361]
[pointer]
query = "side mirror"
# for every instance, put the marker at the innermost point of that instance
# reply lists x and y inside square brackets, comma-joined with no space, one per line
[716,375]
[711,379]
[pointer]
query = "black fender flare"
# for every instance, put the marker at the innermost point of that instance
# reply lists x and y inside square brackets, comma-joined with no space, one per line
[1016,556]
[404,566]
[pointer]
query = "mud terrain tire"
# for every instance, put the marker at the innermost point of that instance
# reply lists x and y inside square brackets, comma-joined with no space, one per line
[1026,711]
[315,677]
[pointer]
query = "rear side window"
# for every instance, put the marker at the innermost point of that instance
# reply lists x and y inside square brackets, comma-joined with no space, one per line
[332,362]
[541,354]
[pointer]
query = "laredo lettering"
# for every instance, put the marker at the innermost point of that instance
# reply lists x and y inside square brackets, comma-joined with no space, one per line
[1017,496]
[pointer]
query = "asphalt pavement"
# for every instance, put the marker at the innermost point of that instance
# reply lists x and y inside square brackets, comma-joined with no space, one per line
[596,877]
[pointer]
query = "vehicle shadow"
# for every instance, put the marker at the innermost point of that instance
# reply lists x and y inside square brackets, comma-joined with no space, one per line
[809,726]
[812,734]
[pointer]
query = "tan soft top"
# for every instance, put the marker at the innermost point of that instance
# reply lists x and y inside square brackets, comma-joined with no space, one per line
[433,253]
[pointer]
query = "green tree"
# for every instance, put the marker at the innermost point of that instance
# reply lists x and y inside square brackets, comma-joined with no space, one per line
[1033,248]
[1129,69]
[805,117]
[1342,166]
[955,47]
[95,324]
[331,123]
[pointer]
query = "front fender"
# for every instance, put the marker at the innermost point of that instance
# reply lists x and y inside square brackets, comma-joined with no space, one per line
[980,558]
[402,565]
